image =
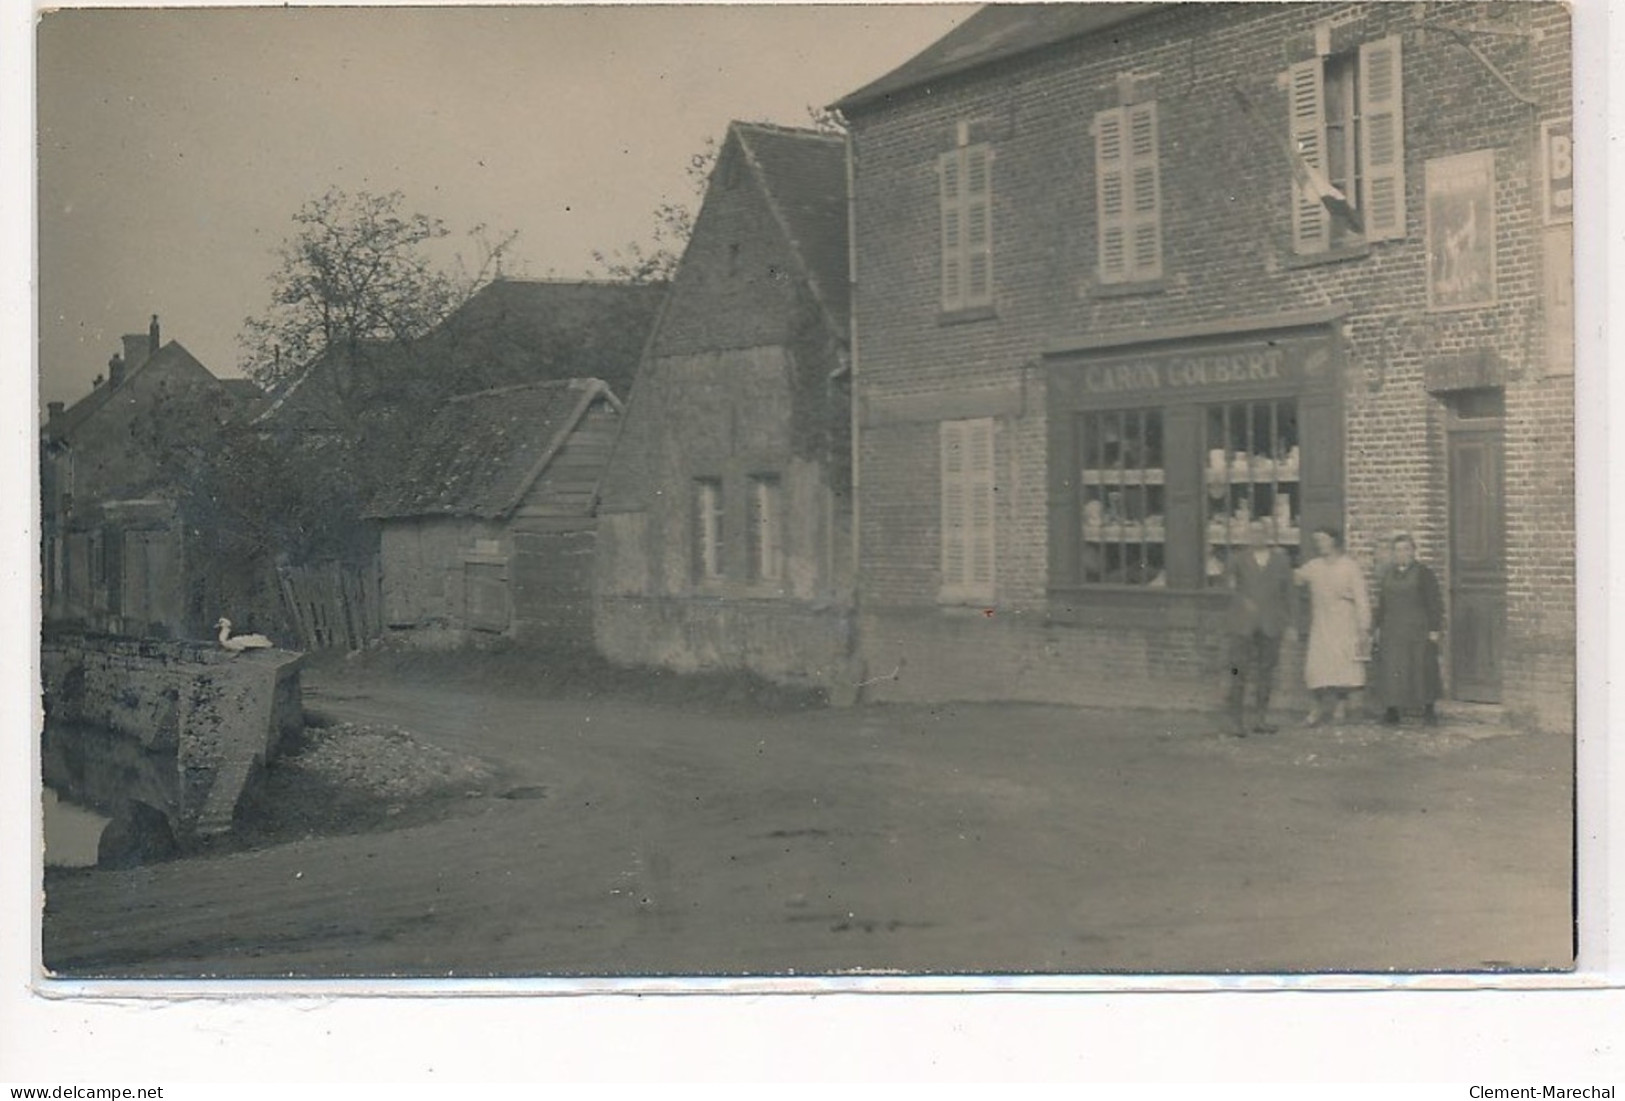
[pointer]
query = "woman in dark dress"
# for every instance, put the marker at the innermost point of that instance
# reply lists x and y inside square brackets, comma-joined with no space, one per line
[1409,623]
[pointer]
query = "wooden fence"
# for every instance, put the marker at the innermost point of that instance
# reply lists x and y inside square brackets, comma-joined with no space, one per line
[334,604]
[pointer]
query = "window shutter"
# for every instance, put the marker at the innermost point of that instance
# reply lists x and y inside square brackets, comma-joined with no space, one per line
[1382,139]
[1320,432]
[952,232]
[1146,259]
[1111,199]
[980,485]
[978,226]
[955,507]
[1306,88]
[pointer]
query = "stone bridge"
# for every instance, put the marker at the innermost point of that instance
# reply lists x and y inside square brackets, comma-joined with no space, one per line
[180,727]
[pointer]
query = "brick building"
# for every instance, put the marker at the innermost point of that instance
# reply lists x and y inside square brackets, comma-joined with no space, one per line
[1130,274]
[120,554]
[724,538]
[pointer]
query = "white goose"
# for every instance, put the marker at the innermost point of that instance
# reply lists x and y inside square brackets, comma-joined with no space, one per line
[240,643]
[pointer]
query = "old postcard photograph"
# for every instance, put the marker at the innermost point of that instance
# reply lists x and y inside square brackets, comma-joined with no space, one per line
[864,493]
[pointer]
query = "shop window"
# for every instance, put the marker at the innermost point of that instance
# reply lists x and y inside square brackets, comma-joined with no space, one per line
[1347,130]
[968,492]
[1252,471]
[766,519]
[1128,193]
[1122,483]
[966,206]
[708,529]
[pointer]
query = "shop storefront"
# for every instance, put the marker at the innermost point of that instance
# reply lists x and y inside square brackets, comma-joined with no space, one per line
[1165,446]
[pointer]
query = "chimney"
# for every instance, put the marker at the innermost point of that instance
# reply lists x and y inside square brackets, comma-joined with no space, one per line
[135,350]
[115,368]
[53,410]
[152,336]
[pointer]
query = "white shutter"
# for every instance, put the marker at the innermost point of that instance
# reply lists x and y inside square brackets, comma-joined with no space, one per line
[981,491]
[953,242]
[978,226]
[1382,140]
[1306,91]
[1111,195]
[1145,192]
[969,496]
[955,507]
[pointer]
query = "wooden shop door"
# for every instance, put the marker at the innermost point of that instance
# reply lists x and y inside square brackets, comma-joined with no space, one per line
[1476,632]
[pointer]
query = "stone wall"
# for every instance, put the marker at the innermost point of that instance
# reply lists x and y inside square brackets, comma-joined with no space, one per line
[179,726]
[782,641]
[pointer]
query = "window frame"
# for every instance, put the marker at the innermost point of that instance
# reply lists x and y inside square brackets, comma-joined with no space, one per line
[1110,488]
[707,545]
[765,527]
[968,498]
[961,210]
[1373,142]
[1133,209]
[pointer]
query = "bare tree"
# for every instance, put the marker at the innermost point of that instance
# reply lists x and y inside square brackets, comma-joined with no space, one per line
[356,272]
[673,225]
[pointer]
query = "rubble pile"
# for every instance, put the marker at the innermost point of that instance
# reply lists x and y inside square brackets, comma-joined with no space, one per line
[384,762]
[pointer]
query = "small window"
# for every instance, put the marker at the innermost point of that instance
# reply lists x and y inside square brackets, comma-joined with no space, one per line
[968,492]
[1252,473]
[1128,193]
[965,188]
[707,529]
[1122,482]
[1347,135]
[766,518]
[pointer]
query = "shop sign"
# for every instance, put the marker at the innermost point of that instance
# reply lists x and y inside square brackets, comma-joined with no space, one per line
[1460,195]
[1274,364]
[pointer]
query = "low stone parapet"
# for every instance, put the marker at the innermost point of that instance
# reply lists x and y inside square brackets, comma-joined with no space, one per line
[179,726]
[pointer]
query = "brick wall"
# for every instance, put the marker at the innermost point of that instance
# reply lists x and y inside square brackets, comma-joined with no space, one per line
[1227,252]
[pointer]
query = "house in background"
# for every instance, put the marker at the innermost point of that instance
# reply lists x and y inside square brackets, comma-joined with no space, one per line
[725,531]
[1129,275]
[120,555]
[490,530]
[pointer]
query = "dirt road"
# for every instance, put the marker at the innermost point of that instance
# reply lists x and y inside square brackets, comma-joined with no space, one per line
[962,839]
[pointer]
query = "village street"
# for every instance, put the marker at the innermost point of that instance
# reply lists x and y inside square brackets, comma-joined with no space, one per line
[958,839]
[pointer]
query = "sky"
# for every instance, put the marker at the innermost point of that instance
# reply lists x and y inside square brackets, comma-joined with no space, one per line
[175,145]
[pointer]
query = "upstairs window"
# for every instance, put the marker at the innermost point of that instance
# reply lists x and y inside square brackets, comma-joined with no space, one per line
[966,205]
[1128,193]
[1347,130]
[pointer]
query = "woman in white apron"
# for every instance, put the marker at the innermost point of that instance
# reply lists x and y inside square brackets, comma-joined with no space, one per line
[1339,626]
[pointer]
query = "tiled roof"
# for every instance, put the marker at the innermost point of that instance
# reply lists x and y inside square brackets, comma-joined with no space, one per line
[483,451]
[804,175]
[518,331]
[996,32]
[512,332]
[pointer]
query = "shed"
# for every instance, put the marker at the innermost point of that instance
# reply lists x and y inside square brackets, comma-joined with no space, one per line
[489,531]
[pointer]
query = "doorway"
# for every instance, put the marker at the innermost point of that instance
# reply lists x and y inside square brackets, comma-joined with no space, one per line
[1478,602]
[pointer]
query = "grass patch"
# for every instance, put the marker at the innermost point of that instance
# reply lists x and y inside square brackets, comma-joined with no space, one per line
[543,672]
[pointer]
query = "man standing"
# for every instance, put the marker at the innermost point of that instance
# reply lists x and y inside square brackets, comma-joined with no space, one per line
[1261,603]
